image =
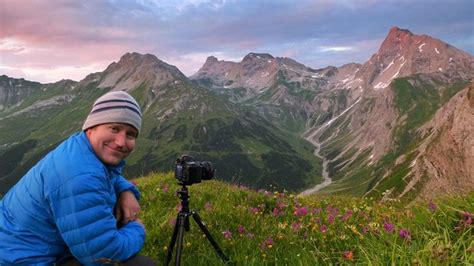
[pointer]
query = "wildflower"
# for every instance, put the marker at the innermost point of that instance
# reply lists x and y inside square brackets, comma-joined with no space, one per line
[268,243]
[465,221]
[241,229]
[165,188]
[316,211]
[172,221]
[323,228]
[208,206]
[296,226]
[348,255]
[432,206]
[275,212]
[347,215]
[227,234]
[250,235]
[300,211]
[405,234]
[254,210]
[365,229]
[388,227]
[281,205]
[331,219]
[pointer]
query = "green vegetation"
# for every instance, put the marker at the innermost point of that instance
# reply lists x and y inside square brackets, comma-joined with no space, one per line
[279,228]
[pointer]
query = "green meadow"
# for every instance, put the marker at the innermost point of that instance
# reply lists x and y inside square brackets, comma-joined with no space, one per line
[279,228]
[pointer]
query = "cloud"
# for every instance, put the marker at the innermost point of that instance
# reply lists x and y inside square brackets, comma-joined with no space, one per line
[77,35]
[334,49]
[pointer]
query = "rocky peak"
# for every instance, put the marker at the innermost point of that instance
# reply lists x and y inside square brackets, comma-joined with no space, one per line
[253,56]
[134,69]
[403,53]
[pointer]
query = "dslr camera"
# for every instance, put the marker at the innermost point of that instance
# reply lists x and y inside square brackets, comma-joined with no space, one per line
[189,172]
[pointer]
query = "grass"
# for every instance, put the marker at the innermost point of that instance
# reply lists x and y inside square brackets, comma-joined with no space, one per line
[279,228]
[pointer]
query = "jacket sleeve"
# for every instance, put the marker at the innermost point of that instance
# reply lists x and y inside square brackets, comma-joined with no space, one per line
[82,210]
[122,184]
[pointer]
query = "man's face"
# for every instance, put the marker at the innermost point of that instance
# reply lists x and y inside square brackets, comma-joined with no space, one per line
[112,142]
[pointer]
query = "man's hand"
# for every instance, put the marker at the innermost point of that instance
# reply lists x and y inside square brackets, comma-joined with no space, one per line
[127,208]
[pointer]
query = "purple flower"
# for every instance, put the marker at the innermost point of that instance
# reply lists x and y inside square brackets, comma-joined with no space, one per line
[388,227]
[365,229]
[331,219]
[405,233]
[241,229]
[165,188]
[254,210]
[296,226]
[317,210]
[227,234]
[250,235]
[268,243]
[323,228]
[275,212]
[347,215]
[281,205]
[300,211]
[432,206]
[208,206]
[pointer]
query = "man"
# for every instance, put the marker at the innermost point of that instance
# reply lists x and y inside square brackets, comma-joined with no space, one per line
[62,210]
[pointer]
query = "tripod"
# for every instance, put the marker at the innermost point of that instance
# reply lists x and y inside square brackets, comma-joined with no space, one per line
[182,224]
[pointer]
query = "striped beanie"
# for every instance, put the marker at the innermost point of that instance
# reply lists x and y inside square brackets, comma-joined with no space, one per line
[114,107]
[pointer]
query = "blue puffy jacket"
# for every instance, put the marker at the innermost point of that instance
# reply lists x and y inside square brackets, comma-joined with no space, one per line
[65,203]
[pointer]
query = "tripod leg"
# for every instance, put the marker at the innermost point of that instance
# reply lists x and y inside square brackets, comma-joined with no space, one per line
[182,218]
[204,229]
[173,241]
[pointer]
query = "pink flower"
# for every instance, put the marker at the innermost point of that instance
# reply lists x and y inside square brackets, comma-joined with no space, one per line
[323,228]
[275,212]
[208,206]
[405,233]
[317,210]
[296,226]
[172,221]
[241,229]
[365,229]
[432,206]
[388,227]
[268,243]
[227,234]
[465,221]
[300,211]
[254,210]
[347,215]
[348,255]
[331,219]
[250,235]
[281,205]
[165,188]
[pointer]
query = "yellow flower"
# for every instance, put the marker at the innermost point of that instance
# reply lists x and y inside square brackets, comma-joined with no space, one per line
[188,244]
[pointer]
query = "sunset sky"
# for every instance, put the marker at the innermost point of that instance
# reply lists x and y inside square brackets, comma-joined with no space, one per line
[50,40]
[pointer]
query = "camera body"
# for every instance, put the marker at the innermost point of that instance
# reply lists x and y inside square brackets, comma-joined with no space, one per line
[189,172]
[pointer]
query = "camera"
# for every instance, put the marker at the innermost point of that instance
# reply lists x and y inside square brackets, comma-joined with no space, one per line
[189,172]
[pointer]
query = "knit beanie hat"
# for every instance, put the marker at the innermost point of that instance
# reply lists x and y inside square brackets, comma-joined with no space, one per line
[114,107]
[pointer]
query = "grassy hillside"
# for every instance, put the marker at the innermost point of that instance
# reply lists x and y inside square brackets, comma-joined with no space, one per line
[279,228]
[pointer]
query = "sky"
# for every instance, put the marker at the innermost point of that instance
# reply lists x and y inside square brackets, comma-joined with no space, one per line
[50,40]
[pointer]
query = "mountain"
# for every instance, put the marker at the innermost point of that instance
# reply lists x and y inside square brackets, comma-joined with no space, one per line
[388,128]
[178,118]
[362,118]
